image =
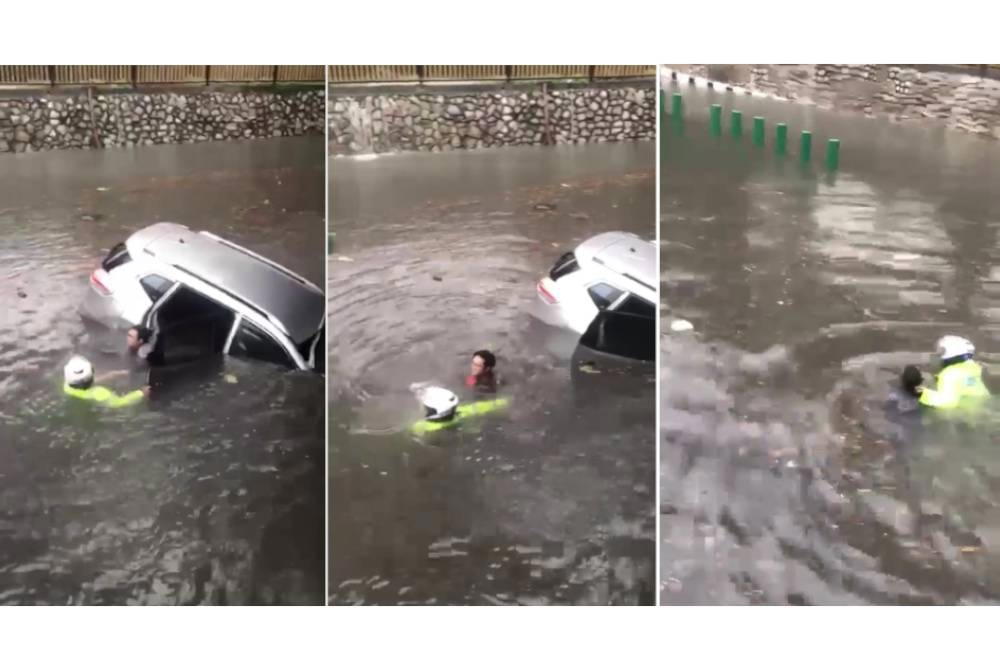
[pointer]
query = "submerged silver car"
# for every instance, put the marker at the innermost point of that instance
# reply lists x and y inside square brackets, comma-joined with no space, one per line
[604,291]
[204,295]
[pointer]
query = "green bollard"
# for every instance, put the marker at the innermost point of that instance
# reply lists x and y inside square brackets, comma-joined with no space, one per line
[715,118]
[832,154]
[758,131]
[677,123]
[781,139]
[677,105]
[805,149]
[736,123]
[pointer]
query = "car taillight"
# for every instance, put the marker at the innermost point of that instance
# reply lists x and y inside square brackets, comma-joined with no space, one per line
[95,281]
[544,293]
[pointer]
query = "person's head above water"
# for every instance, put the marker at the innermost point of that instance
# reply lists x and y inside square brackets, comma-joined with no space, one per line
[137,336]
[439,403]
[954,349]
[483,362]
[79,373]
[911,379]
[481,375]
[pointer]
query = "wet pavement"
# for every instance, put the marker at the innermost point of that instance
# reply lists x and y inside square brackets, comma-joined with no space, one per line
[437,256]
[213,492]
[782,478]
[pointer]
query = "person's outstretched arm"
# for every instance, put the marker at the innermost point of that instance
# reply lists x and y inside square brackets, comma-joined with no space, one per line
[127,400]
[945,396]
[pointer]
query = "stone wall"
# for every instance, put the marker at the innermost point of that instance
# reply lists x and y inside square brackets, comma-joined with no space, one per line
[79,120]
[446,120]
[956,99]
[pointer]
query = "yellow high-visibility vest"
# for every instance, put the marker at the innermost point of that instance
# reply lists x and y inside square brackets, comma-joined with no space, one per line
[955,384]
[462,412]
[105,396]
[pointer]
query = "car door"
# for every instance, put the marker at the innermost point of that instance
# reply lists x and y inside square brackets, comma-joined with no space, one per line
[188,326]
[627,330]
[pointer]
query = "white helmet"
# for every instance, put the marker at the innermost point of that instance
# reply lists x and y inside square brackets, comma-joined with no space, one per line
[951,346]
[439,403]
[78,371]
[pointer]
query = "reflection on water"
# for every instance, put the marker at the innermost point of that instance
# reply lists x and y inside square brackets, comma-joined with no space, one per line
[213,492]
[783,480]
[552,501]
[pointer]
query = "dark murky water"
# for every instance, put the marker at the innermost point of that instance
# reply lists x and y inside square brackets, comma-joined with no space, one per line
[437,256]
[213,493]
[783,481]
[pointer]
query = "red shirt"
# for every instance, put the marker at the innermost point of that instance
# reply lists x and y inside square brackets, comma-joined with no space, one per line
[483,382]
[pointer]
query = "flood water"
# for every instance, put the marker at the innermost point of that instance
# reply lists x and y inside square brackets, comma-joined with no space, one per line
[552,501]
[212,493]
[783,480]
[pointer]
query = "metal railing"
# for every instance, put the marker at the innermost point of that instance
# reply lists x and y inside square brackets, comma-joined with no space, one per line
[241,73]
[171,74]
[616,71]
[367,74]
[24,74]
[298,73]
[141,75]
[373,73]
[136,75]
[464,72]
[90,74]
[550,71]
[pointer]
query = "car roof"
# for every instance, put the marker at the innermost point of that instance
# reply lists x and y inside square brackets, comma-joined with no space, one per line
[624,254]
[297,304]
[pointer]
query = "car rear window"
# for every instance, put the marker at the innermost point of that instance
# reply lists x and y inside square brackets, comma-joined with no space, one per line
[565,265]
[603,295]
[117,256]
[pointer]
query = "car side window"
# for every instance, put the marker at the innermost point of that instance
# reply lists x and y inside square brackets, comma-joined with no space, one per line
[252,342]
[637,307]
[603,295]
[155,286]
